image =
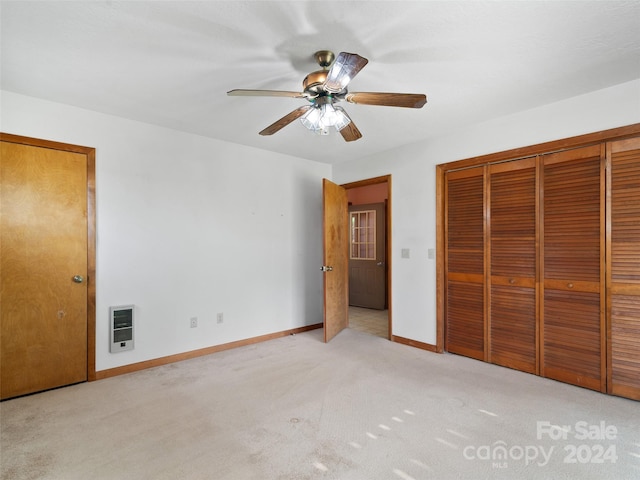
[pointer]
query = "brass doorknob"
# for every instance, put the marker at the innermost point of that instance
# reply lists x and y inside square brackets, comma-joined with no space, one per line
[78,278]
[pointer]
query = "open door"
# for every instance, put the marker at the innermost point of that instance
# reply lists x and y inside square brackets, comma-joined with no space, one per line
[367,256]
[336,258]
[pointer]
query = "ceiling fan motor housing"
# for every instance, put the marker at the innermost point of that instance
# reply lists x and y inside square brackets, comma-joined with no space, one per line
[313,82]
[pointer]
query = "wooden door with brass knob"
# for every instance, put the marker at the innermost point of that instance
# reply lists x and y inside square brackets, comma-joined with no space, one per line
[46,263]
[335,256]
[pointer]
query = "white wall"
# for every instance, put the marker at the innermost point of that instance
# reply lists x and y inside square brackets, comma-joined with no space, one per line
[413,185]
[189,226]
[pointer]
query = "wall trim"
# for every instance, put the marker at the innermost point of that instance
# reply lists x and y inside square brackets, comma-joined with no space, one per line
[415,343]
[178,357]
[552,146]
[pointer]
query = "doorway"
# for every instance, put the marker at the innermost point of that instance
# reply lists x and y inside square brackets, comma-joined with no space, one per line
[47,317]
[369,257]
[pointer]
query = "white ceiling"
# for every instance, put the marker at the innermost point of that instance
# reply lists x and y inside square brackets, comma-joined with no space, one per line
[170,63]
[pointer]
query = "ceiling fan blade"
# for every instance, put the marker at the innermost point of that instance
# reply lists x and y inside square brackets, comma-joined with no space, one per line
[266,93]
[350,132]
[344,68]
[284,121]
[409,100]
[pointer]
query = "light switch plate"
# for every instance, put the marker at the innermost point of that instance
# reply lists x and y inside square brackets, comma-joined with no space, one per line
[406,253]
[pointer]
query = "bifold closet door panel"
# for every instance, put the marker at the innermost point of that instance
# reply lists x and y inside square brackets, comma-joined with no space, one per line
[465,265]
[572,249]
[512,231]
[623,255]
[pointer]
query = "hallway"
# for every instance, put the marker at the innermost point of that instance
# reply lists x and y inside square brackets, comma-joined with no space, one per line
[374,322]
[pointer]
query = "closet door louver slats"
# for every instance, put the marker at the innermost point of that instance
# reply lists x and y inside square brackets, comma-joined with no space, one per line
[572,251]
[465,263]
[512,226]
[541,260]
[624,275]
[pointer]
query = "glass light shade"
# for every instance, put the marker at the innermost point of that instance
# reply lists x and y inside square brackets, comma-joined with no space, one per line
[328,117]
[319,118]
[313,121]
[311,118]
[342,119]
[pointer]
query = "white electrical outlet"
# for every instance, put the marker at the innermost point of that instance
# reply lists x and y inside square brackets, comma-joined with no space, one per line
[220,317]
[194,322]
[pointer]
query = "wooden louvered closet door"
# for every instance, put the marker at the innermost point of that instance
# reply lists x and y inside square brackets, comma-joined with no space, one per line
[572,251]
[465,266]
[513,260]
[623,256]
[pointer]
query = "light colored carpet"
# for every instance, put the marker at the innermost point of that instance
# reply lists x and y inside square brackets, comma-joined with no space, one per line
[360,407]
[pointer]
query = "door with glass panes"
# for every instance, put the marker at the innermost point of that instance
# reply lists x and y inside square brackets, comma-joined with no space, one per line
[367,256]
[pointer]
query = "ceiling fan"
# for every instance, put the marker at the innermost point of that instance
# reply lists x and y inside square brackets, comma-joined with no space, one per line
[324,88]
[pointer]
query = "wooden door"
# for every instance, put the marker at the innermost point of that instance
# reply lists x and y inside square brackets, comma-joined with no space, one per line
[336,259]
[367,256]
[623,255]
[572,250]
[465,263]
[44,238]
[512,223]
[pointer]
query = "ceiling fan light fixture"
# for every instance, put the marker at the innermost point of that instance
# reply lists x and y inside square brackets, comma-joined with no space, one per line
[319,118]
